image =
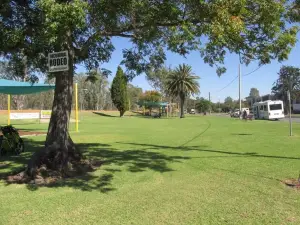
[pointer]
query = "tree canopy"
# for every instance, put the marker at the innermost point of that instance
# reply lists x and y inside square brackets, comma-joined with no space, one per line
[93,90]
[289,79]
[228,100]
[149,98]
[254,29]
[294,11]
[158,78]
[134,94]
[254,93]
[203,105]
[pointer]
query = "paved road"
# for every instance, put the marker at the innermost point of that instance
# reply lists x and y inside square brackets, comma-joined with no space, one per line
[294,120]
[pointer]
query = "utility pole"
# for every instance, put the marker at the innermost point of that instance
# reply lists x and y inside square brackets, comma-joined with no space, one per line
[240,88]
[290,112]
[209,103]
[290,106]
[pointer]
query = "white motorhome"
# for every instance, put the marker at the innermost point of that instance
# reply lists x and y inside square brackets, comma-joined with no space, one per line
[246,109]
[269,110]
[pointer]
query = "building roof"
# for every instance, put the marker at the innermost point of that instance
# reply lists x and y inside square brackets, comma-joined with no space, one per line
[152,104]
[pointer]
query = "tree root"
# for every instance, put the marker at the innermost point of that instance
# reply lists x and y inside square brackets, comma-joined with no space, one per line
[44,175]
[53,164]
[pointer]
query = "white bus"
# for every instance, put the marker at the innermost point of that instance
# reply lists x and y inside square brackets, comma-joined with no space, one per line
[270,110]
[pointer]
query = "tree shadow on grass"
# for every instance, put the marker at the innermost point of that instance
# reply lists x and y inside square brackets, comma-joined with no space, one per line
[11,164]
[160,147]
[135,160]
[87,182]
[243,173]
[201,149]
[119,159]
[103,114]
[141,158]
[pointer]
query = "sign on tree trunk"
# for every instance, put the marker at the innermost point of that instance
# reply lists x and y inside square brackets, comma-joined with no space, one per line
[58,61]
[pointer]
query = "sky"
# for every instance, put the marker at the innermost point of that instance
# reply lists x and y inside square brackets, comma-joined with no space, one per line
[262,79]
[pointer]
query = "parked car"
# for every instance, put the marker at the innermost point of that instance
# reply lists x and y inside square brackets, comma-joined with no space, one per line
[235,113]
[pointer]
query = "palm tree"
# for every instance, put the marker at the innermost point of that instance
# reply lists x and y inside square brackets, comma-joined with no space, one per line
[182,82]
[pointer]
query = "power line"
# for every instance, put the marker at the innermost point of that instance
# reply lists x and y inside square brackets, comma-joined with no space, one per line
[238,76]
[252,71]
[228,84]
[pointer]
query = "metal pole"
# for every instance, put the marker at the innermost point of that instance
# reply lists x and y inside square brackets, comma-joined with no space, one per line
[290,112]
[76,106]
[167,110]
[8,109]
[209,103]
[240,87]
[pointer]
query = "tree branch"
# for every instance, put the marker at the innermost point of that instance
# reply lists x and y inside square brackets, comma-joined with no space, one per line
[124,33]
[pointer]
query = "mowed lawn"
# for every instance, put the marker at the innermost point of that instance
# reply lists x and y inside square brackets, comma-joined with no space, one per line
[197,170]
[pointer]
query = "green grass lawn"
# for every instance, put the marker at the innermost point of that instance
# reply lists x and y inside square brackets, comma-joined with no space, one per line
[197,170]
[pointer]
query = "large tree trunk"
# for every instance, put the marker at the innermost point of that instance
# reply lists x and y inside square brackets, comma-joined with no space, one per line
[122,112]
[59,151]
[181,107]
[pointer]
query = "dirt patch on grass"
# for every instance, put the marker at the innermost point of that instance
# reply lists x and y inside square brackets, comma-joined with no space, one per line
[31,133]
[293,183]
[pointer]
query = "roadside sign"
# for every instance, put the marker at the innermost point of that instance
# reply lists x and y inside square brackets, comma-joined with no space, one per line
[24,116]
[58,61]
[46,114]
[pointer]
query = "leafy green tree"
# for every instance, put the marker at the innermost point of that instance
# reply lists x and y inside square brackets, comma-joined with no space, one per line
[97,87]
[253,96]
[134,94]
[119,93]
[294,11]
[190,103]
[158,78]
[228,100]
[229,104]
[203,105]
[254,93]
[255,29]
[149,98]
[288,80]
[92,89]
[182,83]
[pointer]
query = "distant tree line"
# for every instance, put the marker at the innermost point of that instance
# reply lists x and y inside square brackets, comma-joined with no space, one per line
[93,93]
